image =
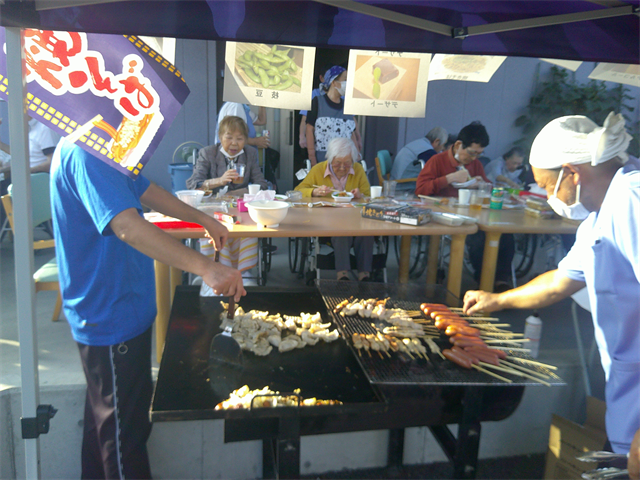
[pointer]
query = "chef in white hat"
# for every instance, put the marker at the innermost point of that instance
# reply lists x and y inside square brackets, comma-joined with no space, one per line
[589,176]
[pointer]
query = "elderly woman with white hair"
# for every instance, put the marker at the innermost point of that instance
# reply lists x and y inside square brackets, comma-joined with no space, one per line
[341,172]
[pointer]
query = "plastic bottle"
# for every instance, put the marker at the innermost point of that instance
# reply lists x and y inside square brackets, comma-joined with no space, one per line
[532,332]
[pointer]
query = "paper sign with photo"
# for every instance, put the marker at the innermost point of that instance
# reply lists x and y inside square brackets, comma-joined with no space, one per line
[568,64]
[387,84]
[268,75]
[465,68]
[617,72]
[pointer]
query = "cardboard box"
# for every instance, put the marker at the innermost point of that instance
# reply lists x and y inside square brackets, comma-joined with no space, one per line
[397,213]
[567,440]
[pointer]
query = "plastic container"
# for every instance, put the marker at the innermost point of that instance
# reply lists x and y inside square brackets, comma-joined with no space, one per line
[533,332]
[190,197]
[180,173]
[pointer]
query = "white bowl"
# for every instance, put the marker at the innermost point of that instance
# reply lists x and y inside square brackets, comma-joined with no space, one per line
[268,212]
[345,198]
[190,197]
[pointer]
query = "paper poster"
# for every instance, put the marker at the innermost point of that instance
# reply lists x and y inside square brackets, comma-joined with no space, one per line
[617,72]
[387,84]
[568,64]
[112,95]
[267,75]
[465,68]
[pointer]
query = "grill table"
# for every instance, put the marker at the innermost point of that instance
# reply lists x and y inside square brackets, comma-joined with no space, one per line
[327,371]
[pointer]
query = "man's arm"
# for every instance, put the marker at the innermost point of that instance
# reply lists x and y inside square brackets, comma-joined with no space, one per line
[262,117]
[134,230]
[160,200]
[542,291]
[44,166]
[311,144]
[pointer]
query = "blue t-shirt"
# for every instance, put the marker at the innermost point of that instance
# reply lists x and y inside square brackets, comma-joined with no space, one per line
[107,286]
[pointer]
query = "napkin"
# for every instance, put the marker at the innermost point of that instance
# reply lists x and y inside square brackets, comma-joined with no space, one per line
[261,195]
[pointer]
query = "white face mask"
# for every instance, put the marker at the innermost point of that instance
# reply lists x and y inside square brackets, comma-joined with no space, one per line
[342,88]
[572,212]
[226,154]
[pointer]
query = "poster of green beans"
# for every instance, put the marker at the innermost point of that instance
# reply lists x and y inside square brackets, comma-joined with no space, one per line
[269,74]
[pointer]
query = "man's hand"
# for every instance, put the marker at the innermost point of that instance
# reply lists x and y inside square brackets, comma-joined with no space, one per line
[218,234]
[478,301]
[259,142]
[634,457]
[459,176]
[225,281]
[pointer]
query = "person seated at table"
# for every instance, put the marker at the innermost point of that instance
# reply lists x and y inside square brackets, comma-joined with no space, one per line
[457,164]
[436,178]
[339,172]
[507,168]
[216,169]
[407,165]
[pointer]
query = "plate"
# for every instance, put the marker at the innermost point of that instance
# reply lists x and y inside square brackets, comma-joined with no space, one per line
[464,184]
[345,199]
[449,219]
[283,198]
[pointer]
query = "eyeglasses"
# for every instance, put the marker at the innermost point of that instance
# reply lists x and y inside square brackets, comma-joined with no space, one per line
[337,165]
[473,153]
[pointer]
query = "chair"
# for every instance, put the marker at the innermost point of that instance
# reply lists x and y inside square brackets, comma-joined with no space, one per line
[46,277]
[384,164]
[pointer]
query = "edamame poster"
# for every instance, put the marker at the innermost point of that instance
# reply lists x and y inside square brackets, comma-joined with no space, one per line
[269,75]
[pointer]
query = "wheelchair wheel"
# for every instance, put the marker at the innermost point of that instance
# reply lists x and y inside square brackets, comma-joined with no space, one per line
[525,251]
[294,249]
[267,251]
[418,255]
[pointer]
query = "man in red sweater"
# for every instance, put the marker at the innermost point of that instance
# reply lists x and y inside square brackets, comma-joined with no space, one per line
[456,164]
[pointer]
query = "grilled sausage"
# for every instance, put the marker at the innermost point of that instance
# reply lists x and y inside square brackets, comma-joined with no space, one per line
[470,331]
[483,354]
[467,341]
[462,353]
[450,355]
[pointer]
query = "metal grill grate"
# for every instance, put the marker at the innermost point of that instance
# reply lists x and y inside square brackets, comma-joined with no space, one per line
[401,368]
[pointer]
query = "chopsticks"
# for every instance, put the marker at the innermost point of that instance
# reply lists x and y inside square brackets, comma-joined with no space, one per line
[332,188]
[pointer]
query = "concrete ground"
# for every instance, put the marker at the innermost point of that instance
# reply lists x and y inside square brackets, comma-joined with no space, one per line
[61,380]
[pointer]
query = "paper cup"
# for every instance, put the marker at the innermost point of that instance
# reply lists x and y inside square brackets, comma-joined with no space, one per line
[254,188]
[463,196]
[376,192]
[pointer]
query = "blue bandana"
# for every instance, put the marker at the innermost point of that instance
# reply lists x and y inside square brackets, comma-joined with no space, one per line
[333,73]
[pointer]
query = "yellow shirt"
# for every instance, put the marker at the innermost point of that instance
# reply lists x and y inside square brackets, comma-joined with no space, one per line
[316,176]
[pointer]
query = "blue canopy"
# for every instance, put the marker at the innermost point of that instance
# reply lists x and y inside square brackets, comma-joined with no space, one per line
[589,30]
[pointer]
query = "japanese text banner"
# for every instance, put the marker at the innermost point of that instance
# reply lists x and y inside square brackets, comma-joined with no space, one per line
[112,95]
[387,84]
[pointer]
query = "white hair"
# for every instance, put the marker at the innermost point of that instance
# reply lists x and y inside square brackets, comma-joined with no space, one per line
[341,147]
[438,133]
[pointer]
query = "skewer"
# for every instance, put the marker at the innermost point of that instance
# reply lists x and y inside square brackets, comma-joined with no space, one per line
[491,325]
[513,349]
[379,353]
[519,373]
[510,334]
[525,369]
[480,369]
[497,340]
[532,362]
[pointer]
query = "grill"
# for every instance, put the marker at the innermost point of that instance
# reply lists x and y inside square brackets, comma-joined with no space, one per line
[400,368]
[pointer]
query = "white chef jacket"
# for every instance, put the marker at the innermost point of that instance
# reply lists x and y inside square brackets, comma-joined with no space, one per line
[606,256]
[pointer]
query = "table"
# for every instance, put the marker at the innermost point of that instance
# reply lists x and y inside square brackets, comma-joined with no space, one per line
[321,222]
[496,222]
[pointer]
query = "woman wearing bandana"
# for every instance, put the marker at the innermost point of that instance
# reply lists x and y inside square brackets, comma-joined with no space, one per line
[216,169]
[326,119]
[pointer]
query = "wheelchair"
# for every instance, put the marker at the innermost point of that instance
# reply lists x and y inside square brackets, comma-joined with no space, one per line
[308,256]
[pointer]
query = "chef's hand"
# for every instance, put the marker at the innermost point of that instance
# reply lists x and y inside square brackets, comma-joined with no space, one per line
[225,281]
[478,301]
[459,176]
[356,193]
[321,191]
[217,233]
[633,463]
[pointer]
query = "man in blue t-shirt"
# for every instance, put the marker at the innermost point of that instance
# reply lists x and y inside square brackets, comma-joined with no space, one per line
[105,250]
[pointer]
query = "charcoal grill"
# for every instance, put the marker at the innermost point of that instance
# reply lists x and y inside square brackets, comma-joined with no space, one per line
[329,371]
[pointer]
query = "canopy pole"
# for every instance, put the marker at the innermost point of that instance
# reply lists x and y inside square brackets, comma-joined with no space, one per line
[23,241]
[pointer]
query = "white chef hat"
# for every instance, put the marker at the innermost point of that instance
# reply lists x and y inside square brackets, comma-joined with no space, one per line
[577,139]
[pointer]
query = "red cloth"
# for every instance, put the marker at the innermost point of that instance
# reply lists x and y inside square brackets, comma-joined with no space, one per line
[432,178]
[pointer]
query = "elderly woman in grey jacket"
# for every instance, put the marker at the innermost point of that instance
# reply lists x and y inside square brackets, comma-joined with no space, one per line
[217,165]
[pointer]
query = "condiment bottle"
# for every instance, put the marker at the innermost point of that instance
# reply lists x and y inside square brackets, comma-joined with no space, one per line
[532,332]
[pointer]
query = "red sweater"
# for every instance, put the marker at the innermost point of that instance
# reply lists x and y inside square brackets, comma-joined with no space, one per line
[432,178]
